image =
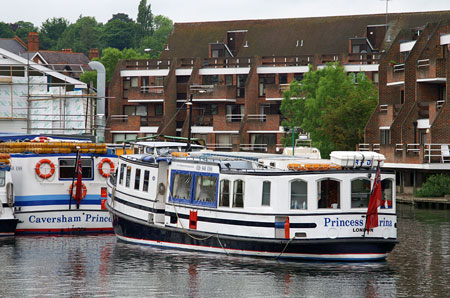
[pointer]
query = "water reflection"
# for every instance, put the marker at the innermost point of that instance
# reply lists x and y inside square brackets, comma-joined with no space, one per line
[101,266]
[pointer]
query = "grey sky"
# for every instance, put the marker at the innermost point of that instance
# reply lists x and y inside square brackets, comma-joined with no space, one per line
[206,10]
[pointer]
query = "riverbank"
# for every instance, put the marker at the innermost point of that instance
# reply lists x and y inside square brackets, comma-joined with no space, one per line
[431,203]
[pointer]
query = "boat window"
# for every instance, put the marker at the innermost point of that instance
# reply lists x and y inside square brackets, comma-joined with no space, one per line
[299,194]
[128,177]
[224,200]
[181,186]
[329,193]
[137,179]
[122,170]
[146,179]
[238,193]
[67,168]
[205,189]
[360,193]
[266,193]
[2,178]
[386,191]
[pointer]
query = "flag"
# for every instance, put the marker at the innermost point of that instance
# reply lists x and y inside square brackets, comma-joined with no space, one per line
[374,202]
[79,171]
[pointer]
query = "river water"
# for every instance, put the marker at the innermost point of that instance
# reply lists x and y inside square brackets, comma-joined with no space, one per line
[102,266]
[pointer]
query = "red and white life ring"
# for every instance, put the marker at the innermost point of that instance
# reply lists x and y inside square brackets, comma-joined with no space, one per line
[83,186]
[105,174]
[37,168]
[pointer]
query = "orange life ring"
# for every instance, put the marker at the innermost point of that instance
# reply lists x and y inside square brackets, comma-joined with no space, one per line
[100,167]
[83,194]
[38,168]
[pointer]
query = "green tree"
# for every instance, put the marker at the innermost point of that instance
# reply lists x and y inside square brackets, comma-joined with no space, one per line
[81,36]
[156,42]
[110,57]
[292,107]
[336,108]
[88,77]
[6,31]
[50,32]
[119,34]
[23,28]
[145,17]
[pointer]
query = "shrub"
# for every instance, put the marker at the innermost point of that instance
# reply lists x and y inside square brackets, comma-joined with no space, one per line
[436,186]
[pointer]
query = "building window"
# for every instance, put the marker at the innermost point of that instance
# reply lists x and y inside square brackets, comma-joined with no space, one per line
[240,88]
[120,137]
[265,193]
[210,80]
[298,77]
[159,109]
[159,81]
[263,81]
[126,87]
[223,142]
[137,179]
[376,77]
[360,193]
[329,193]
[205,189]
[2,178]
[384,136]
[128,177]
[229,80]
[122,170]
[67,168]
[181,186]
[146,180]
[386,193]
[299,194]
[145,81]
[224,200]
[235,113]
[134,82]
[238,194]
[283,78]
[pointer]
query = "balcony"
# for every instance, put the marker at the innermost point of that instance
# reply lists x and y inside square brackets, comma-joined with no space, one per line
[146,93]
[284,61]
[329,58]
[228,62]
[147,64]
[396,75]
[364,58]
[218,94]
[431,70]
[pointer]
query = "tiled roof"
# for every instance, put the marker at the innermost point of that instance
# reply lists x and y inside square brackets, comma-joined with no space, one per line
[12,45]
[324,35]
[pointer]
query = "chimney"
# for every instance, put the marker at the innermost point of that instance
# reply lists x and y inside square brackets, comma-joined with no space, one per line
[93,53]
[33,42]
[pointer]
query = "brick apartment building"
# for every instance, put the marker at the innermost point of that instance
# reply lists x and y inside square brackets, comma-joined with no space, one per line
[249,64]
[411,125]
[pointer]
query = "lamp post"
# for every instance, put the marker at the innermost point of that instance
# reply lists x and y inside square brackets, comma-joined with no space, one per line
[194,89]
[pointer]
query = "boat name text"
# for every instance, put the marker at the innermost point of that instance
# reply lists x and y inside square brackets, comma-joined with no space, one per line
[64,219]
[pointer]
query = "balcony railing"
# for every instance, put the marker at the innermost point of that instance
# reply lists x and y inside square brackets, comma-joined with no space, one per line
[152,89]
[399,67]
[253,147]
[219,146]
[228,62]
[279,61]
[364,58]
[235,117]
[257,117]
[147,64]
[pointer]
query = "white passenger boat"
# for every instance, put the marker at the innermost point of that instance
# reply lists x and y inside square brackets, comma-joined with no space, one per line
[8,221]
[255,205]
[47,199]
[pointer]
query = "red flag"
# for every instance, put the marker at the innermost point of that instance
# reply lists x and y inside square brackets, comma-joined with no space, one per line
[374,203]
[78,192]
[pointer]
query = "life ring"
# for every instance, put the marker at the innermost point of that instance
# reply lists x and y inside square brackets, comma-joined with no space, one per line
[83,194]
[38,168]
[100,167]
